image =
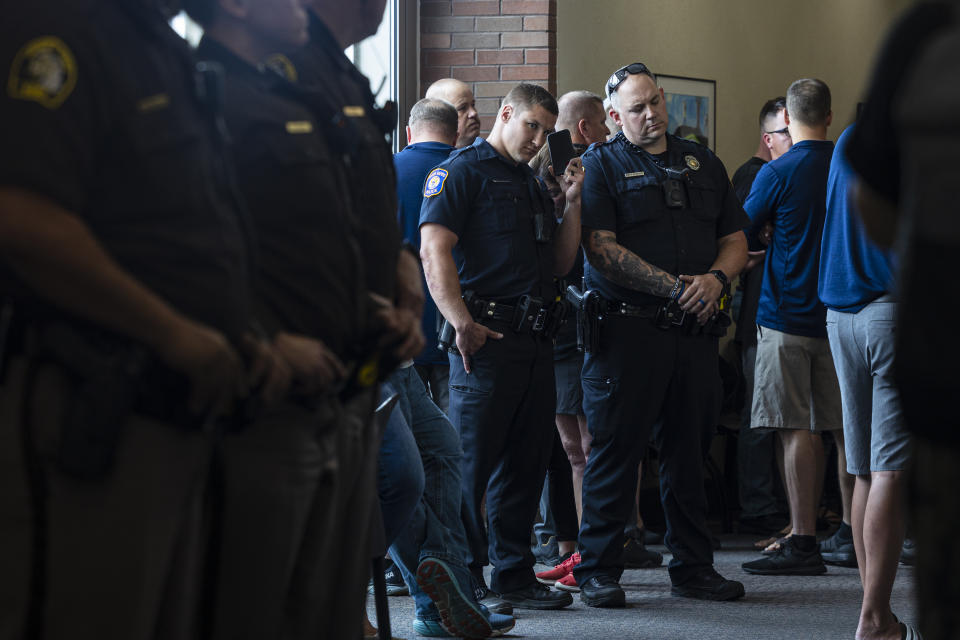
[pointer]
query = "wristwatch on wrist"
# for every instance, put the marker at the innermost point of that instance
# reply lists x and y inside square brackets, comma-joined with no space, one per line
[722,277]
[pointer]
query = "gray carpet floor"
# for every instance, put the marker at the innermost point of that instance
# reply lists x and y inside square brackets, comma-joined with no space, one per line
[775,607]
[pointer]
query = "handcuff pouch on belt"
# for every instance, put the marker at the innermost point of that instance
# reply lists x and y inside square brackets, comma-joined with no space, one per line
[590,314]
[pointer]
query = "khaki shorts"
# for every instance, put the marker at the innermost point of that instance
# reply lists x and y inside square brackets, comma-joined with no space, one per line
[795,383]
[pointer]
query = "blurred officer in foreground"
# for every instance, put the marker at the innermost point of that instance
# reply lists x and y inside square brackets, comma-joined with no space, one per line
[491,247]
[125,323]
[662,236]
[282,473]
[339,94]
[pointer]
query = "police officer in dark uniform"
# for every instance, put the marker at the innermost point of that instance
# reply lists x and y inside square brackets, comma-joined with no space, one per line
[662,236]
[488,233]
[127,311]
[341,95]
[281,470]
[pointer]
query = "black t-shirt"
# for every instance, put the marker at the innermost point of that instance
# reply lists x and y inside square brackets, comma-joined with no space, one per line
[750,281]
[102,114]
[874,149]
[344,94]
[310,271]
[622,193]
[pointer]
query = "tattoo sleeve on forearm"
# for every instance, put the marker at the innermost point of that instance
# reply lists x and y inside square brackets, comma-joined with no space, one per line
[623,267]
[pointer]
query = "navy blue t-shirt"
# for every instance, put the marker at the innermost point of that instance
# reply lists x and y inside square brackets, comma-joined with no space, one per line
[791,192]
[412,165]
[489,202]
[853,270]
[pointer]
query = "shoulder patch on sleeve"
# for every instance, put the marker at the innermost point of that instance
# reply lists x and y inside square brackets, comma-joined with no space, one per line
[434,182]
[44,70]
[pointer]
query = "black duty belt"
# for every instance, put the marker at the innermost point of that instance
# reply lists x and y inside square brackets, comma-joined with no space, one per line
[489,310]
[632,311]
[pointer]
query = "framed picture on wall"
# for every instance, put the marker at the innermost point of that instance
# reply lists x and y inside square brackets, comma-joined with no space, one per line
[691,108]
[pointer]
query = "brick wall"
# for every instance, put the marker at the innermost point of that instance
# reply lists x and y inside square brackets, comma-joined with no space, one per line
[489,44]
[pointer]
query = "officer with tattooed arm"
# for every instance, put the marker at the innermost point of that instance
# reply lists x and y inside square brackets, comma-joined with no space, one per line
[662,236]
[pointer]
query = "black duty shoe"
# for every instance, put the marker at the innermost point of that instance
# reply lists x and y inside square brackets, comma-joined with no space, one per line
[708,585]
[788,560]
[537,596]
[547,552]
[651,537]
[492,601]
[602,591]
[637,556]
[838,549]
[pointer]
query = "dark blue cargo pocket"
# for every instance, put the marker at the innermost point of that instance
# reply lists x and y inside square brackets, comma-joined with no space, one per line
[599,405]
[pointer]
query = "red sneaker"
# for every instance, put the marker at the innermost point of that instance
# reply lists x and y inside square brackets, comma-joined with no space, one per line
[567,583]
[565,568]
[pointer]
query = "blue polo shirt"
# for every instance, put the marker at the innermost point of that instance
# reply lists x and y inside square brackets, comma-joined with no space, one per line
[489,202]
[791,192]
[853,270]
[412,166]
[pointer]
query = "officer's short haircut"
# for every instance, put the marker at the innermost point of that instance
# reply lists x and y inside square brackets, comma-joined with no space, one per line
[438,115]
[575,106]
[808,101]
[202,12]
[771,108]
[526,96]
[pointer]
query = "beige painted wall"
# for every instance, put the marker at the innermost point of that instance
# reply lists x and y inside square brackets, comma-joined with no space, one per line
[753,49]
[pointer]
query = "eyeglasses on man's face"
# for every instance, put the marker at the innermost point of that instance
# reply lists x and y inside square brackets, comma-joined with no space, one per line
[785,131]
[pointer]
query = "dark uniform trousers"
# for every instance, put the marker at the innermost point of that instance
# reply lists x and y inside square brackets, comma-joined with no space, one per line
[123,553]
[504,413]
[329,580]
[279,475]
[643,376]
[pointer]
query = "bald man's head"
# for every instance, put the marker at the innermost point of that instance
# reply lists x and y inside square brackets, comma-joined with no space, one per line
[461,97]
[583,114]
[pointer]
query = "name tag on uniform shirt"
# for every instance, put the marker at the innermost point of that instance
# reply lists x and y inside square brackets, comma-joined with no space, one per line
[354,111]
[635,174]
[154,102]
[299,126]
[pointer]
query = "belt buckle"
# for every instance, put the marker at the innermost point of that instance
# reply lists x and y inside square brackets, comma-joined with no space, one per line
[541,319]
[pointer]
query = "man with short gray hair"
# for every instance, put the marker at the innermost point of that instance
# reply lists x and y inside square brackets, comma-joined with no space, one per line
[431,135]
[796,391]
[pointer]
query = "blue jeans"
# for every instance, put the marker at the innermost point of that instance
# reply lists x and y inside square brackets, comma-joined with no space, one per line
[435,530]
[400,477]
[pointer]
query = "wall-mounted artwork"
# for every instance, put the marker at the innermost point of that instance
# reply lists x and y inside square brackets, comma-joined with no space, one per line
[691,108]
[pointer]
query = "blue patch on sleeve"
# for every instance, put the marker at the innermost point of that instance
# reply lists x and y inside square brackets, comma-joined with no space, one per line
[434,182]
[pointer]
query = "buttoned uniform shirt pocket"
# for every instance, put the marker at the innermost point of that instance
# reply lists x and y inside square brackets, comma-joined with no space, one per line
[498,207]
[163,143]
[640,199]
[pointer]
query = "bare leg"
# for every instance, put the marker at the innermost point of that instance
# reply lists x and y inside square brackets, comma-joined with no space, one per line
[845,479]
[800,469]
[878,530]
[569,429]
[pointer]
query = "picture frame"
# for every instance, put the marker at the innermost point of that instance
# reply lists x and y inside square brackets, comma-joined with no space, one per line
[691,108]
